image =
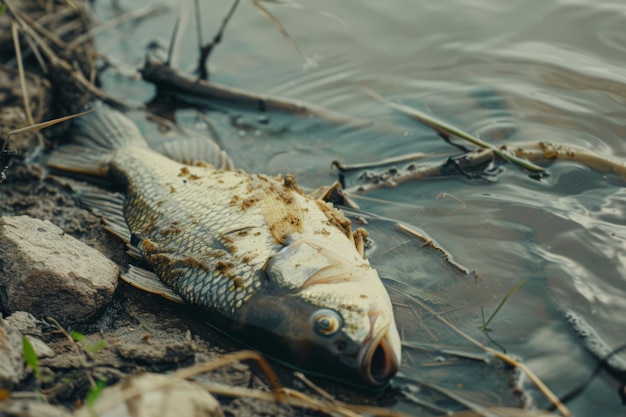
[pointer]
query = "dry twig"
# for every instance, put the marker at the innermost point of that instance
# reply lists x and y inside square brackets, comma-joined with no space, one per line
[171,81]
[446,129]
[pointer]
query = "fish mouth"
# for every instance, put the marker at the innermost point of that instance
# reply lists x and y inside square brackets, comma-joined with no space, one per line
[379,357]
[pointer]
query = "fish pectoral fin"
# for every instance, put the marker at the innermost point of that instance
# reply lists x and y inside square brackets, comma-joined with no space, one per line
[149,282]
[194,150]
[134,253]
[111,207]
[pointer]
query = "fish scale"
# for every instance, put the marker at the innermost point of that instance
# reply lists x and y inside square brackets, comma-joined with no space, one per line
[267,264]
[171,222]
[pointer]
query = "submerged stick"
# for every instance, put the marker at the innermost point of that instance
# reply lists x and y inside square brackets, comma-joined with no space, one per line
[169,80]
[451,166]
[205,50]
[547,151]
[446,129]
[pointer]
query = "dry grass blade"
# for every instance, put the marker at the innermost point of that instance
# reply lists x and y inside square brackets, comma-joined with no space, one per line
[257,4]
[232,358]
[446,129]
[187,373]
[78,76]
[39,126]
[283,395]
[313,386]
[387,161]
[504,412]
[504,357]
[139,13]
[20,67]
[297,399]
[429,242]
[74,345]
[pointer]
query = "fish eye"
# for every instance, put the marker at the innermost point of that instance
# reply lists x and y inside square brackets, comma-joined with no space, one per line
[326,322]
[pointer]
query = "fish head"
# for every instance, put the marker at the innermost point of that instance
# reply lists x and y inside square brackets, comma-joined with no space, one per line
[327,313]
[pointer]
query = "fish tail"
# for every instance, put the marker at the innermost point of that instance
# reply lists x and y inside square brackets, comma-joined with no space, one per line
[94,138]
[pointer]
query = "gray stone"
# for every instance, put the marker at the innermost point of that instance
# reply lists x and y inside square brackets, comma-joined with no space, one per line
[42,350]
[156,396]
[48,273]
[25,323]
[11,357]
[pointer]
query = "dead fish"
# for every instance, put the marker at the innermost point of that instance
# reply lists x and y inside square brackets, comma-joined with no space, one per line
[268,265]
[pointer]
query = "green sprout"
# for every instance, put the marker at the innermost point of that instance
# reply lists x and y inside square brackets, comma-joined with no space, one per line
[95,392]
[485,325]
[79,337]
[30,357]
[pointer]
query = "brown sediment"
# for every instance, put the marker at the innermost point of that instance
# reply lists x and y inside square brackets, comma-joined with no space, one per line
[336,218]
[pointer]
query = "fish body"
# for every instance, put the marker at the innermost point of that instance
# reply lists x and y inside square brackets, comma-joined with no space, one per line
[266,263]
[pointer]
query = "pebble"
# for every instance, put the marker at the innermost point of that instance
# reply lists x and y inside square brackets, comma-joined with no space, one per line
[11,360]
[25,322]
[48,273]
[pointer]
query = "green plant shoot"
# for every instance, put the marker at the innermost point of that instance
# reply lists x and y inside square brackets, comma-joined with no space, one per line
[79,337]
[485,325]
[30,357]
[93,394]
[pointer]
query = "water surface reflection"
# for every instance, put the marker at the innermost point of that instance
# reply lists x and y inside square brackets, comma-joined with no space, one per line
[505,71]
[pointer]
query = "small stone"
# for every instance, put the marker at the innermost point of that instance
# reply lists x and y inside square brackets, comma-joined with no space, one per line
[11,357]
[158,398]
[48,273]
[25,323]
[42,350]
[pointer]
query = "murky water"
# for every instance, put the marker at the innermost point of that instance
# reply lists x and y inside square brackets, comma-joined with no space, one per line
[505,71]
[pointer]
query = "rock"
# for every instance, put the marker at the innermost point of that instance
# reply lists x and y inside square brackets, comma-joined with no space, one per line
[48,273]
[11,358]
[157,398]
[25,323]
[42,350]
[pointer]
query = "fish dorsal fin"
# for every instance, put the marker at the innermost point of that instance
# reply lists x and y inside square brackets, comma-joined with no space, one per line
[280,205]
[149,282]
[95,137]
[194,150]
